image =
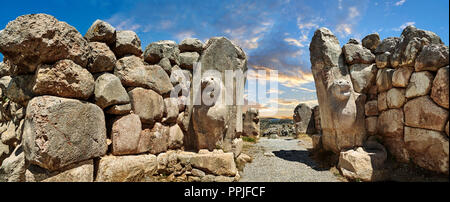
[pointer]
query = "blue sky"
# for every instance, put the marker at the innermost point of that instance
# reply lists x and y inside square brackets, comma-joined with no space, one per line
[274,34]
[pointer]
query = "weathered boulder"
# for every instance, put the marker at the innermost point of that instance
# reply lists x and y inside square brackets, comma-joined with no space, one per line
[357,54]
[371,108]
[126,134]
[176,136]
[210,162]
[165,64]
[365,164]
[36,39]
[428,148]
[390,123]
[20,89]
[371,125]
[101,59]
[170,110]
[401,76]
[132,72]
[127,43]
[440,89]
[387,45]
[304,119]
[382,60]
[63,79]
[13,133]
[109,91]
[101,31]
[432,57]
[162,49]
[384,79]
[61,131]
[13,168]
[147,104]
[78,172]
[126,168]
[191,45]
[382,101]
[241,160]
[237,145]
[119,109]
[371,41]
[187,59]
[341,109]
[396,98]
[251,123]
[363,76]
[156,139]
[422,112]
[420,84]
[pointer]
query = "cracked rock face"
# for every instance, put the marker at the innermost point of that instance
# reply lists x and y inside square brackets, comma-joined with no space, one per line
[35,39]
[61,131]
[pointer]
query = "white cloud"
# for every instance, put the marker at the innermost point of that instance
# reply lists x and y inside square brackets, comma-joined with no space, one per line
[184,34]
[403,26]
[294,42]
[399,3]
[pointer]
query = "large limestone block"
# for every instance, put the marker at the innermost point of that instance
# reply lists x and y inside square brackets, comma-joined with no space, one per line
[109,91]
[422,112]
[384,79]
[191,45]
[127,43]
[440,89]
[363,76]
[162,49]
[371,125]
[102,59]
[176,136]
[36,39]
[126,168]
[401,76]
[187,59]
[371,108]
[304,119]
[132,72]
[215,163]
[371,41]
[390,123]
[341,109]
[171,110]
[428,148]
[147,104]
[20,89]
[251,123]
[420,84]
[382,60]
[382,101]
[395,98]
[126,134]
[78,172]
[64,79]
[357,54]
[156,139]
[387,45]
[61,131]
[13,168]
[432,57]
[101,31]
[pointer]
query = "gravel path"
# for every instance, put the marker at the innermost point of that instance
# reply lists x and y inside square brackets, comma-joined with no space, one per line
[282,160]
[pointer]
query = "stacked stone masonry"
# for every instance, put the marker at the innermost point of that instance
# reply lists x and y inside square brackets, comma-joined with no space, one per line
[99,108]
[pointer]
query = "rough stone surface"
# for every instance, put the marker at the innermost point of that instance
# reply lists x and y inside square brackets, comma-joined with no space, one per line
[316,141]
[162,49]
[155,140]
[440,89]
[446,129]
[125,135]
[60,131]
[187,59]
[126,168]
[13,168]
[101,59]
[237,146]
[432,57]
[384,79]
[109,91]
[132,72]
[251,123]
[371,108]
[396,98]
[428,148]
[422,112]
[401,77]
[78,172]
[170,110]
[35,39]
[343,125]
[101,31]
[191,45]
[363,163]
[371,125]
[363,76]
[304,119]
[357,54]
[390,123]
[64,79]
[176,137]
[127,43]
[382,60]
[371,41]
[20,89]
[214,163]
[387,45]
[420,84]
[382,101]
[147,104]
[119,109]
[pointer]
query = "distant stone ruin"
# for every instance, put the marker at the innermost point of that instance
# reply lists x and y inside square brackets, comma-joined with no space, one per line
[396,89]
[98,108]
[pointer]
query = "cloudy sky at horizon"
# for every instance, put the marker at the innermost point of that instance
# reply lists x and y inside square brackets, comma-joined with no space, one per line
[274,34]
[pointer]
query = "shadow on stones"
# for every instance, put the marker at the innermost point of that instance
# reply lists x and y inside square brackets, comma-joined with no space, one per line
[299,156]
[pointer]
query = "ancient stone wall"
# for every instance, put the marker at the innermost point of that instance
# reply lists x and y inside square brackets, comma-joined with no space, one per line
[98,108]
[405,81]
